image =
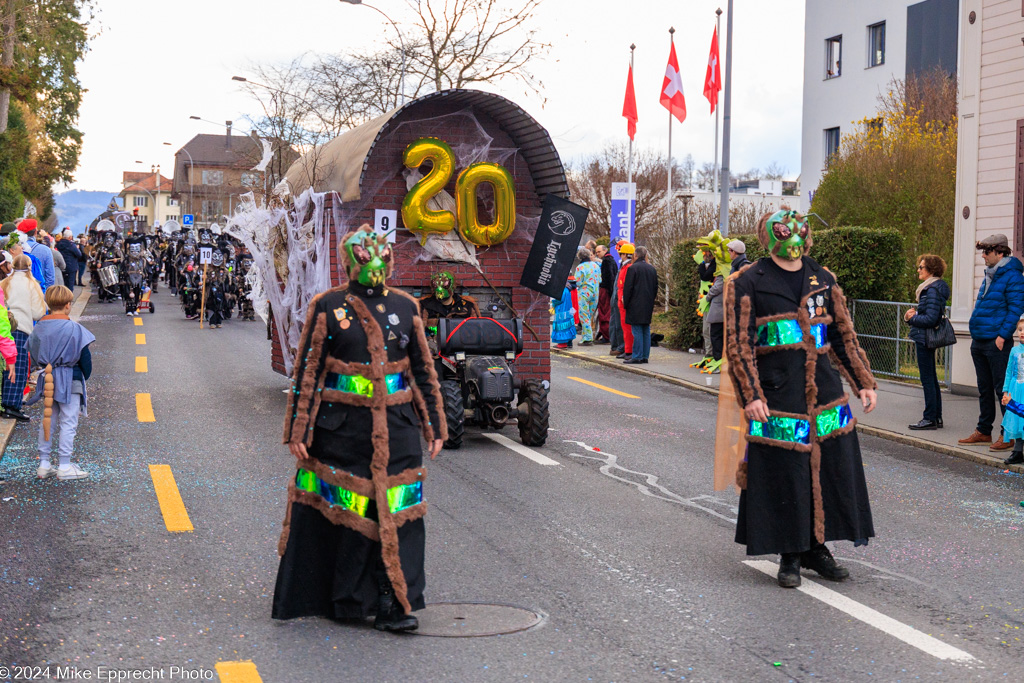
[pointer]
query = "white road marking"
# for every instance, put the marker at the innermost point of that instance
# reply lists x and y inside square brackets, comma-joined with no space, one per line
[896,629]
[521,449]
[611,464]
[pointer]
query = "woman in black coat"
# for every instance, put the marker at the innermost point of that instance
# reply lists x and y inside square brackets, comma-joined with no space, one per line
[639,292]
[932,295]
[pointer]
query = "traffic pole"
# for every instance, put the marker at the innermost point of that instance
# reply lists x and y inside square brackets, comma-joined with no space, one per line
[202,302]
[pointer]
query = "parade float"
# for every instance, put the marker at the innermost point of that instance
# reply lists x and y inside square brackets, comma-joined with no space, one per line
[461,181]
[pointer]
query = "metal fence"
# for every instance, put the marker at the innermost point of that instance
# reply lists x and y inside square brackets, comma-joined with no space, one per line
[885,338]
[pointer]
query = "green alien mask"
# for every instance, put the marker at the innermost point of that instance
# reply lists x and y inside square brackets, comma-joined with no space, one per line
[369,257]
[443,284]
[788,234]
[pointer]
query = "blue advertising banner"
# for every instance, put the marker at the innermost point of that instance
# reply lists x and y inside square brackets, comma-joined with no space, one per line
[623,214]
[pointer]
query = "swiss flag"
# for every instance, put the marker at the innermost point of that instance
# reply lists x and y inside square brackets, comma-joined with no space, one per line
[629,106]
[713,79]
[672,89]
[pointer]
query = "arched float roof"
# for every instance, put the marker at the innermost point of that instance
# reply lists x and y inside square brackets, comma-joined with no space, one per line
[339,165]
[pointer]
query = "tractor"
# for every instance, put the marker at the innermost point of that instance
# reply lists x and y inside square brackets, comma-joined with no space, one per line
[476,363]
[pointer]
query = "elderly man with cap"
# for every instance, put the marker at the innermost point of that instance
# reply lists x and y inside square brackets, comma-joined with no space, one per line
[738,254]
[998,308]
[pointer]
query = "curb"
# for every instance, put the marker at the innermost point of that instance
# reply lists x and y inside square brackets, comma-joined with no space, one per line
[904,439]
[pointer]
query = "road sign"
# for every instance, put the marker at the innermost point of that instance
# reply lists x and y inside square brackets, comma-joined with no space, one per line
[188,220]
[205,255]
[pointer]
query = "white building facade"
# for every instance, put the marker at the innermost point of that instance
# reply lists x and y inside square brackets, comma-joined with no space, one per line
[990,154]
[852,52]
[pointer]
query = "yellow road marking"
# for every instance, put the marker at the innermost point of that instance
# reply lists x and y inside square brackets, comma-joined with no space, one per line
[138,322]
[140,338]
[171,505]
[141,364]
[144,408]
[592,384]
[238,672]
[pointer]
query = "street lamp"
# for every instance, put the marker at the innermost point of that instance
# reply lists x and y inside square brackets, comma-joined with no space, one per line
[401,79]
[191,170]
[312,107]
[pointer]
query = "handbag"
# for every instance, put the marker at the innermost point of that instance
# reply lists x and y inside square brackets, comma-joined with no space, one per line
[941,335]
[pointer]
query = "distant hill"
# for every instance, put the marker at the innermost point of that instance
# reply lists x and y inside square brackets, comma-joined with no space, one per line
[78,208]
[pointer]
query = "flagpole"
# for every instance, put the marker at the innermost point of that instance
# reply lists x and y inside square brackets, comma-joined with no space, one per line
[718,113]
[632,48]
[727,129]
[668,195]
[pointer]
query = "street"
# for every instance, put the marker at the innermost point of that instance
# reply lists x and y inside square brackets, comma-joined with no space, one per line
[619,545]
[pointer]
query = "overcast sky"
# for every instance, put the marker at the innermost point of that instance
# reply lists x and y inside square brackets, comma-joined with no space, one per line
[142,91]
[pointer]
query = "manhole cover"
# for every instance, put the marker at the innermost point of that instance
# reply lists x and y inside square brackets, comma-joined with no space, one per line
[474,620]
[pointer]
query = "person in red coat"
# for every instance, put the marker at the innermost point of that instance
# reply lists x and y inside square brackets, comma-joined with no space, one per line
[626,252]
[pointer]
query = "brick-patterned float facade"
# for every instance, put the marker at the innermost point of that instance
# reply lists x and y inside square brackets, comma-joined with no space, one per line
[383,186]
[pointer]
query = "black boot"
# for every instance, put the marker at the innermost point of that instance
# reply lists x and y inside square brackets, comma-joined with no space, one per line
[1015,459]
[820,560]
[390,615]
[789,570]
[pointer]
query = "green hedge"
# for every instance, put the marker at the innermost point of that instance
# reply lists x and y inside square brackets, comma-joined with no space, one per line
[868,263]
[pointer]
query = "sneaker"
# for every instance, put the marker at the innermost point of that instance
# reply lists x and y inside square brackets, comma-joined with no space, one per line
[45,472]
[819,559]
[976,437]
[128,313]
[70,472]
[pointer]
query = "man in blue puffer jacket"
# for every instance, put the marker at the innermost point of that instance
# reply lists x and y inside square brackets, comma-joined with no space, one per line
[993,321]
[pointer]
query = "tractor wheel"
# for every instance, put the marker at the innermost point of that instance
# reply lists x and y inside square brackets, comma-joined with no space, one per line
[533,413]
[454,413]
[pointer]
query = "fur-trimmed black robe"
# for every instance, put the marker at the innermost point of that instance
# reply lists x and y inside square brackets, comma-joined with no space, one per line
[330,555]
[807,488]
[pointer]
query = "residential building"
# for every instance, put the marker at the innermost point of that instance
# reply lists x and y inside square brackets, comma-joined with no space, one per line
[211,173]
[852,52]
[990,154]
[150,193]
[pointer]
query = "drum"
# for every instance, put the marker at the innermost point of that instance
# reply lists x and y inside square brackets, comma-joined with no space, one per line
[108,276]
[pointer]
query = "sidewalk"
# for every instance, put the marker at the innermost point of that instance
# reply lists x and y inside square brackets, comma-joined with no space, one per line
[899,404]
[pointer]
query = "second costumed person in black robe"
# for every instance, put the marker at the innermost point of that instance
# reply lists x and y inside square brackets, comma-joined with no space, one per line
[364,390]
[802,479]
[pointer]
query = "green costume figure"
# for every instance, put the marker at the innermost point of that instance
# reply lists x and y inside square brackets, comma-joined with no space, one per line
[789,335]
[715,245]
[364,389]
[444,302]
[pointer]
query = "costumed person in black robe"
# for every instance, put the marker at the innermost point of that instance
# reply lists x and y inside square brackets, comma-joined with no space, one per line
[216,288]
[170,255]
[364,390]
[444,302]
[246,310]
[134,270]
[802,479]
[188,278]
[108,255]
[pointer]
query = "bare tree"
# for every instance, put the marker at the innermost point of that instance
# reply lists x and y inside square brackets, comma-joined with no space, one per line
[461,42]
[288,116]
[447,44]
[705,177]
[774,171]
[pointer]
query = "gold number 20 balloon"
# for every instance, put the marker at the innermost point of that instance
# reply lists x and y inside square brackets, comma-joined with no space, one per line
[415,214]
[504,204]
